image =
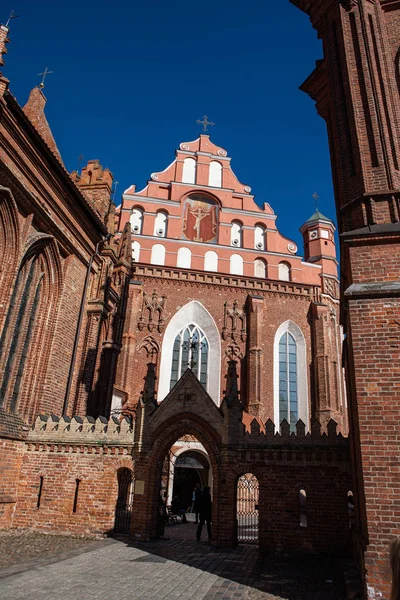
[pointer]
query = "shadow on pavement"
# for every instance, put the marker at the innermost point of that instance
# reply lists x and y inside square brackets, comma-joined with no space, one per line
[278,575]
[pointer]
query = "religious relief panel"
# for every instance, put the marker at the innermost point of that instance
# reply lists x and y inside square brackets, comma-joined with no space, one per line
[152,313]
[234,323]
[200,219]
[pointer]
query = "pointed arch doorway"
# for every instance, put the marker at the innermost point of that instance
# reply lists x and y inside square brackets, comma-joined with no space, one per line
[189,465]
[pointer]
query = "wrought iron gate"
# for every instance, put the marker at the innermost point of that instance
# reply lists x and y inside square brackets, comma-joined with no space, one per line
[247,509]
[123,509]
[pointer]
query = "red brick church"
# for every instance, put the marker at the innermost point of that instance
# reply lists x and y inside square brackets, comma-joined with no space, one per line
[180,338]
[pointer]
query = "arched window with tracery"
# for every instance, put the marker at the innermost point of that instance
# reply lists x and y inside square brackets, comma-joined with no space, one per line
[290,376]
[288,398]
[190,351]
[27,327]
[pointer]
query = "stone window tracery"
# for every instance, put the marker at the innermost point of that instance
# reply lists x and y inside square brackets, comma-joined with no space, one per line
[190,351]
[288,399]
[19,327]
[290,376]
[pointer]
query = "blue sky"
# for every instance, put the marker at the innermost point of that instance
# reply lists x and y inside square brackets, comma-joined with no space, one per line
[131,78]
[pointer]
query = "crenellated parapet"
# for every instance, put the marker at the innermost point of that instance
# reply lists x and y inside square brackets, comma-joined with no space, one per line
[86,431]
[254,432]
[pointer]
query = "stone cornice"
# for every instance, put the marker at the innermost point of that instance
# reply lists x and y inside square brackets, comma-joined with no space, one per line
[308,292]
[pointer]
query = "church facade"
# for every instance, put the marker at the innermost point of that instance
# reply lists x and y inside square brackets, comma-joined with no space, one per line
[182,329]
[216,281]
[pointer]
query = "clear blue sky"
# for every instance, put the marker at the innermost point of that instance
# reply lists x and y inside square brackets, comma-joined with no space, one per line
[131,78]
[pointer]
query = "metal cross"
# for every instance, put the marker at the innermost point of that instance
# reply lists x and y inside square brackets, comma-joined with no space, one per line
[12,16]
[115,189]
[316,198]
[45,73]
[205,122]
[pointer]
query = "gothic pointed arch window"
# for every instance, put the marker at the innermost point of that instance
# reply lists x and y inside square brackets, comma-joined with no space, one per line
[190,351]
[288,393]
[290,376]
[26,330]
[191,336]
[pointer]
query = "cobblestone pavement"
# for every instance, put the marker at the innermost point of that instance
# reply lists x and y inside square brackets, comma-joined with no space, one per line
[176,567]
[20,545]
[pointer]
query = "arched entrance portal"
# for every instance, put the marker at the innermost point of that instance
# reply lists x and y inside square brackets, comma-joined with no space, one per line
[191,468]
[247,499]
[186,465]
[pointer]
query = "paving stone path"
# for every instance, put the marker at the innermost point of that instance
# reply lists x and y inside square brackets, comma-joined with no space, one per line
[176,567]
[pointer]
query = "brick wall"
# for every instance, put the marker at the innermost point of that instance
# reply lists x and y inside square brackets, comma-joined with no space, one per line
[283,302]
[11,456]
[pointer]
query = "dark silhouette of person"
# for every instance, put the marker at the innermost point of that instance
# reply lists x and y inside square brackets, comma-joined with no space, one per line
[205,511]
[176,508]
[197,501]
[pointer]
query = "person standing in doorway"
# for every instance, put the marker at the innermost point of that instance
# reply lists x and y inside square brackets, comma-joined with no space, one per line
[197,500]
[205,512]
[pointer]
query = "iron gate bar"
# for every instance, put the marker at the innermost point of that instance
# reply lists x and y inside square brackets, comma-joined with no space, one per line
[123,509]
[247,509]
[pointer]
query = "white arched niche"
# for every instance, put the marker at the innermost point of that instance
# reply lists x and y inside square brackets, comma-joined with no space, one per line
[284,271]
[193,312]
[215,174]
[211,261]
[184,258]
[189,171]
[302,368]
[136,220]
[259,237]
[135,251]
[236,264]
[158,255]
[160,224]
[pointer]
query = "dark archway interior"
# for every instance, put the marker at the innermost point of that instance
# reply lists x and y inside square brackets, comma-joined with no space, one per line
[191,467]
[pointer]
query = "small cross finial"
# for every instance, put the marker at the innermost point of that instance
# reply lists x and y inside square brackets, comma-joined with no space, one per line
[44,74]
[12,16]
[205,122]
[115,189]
[316,198]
